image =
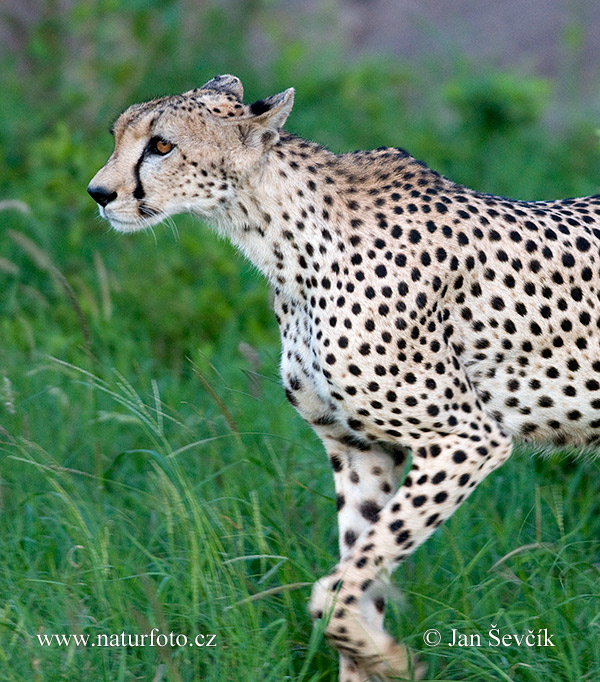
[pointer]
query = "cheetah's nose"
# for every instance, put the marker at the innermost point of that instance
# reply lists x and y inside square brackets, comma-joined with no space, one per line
[101,195]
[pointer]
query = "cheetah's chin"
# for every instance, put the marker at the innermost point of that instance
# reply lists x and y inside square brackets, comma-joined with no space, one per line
[128,226]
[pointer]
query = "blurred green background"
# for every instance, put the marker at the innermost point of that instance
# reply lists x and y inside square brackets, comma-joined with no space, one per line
[151,471]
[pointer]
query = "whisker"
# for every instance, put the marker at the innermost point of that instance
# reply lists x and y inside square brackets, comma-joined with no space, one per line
[173,226]
[148,211]
[148,226]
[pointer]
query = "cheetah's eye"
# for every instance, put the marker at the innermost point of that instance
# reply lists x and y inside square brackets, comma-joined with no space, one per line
[160,146]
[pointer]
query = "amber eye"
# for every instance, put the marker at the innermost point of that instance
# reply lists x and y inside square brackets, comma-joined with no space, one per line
[161,146]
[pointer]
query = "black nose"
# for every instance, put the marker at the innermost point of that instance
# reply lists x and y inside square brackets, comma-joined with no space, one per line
[101,195]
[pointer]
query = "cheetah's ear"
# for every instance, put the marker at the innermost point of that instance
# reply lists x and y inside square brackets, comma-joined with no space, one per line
[225,83]
[265,118]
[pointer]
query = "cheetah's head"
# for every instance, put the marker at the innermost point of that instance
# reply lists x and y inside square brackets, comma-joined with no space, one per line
[185,153]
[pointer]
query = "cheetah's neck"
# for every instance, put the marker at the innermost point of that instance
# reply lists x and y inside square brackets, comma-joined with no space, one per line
[285,219]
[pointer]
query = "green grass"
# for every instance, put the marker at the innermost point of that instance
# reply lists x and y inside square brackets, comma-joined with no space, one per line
[122,514]
[152,474]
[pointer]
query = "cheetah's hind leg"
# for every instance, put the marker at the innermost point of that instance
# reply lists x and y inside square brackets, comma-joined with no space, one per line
[446,469]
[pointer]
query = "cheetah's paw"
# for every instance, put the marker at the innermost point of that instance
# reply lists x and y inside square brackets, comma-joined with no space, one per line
[368,653]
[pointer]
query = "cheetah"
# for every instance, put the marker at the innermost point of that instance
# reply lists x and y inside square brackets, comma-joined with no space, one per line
[424,326]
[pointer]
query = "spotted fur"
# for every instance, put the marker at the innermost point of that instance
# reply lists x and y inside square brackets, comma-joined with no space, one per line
[417,316]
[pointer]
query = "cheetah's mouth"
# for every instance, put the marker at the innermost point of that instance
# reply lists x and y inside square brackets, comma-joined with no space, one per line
[122,225]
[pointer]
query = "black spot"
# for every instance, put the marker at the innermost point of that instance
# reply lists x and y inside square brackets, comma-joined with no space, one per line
[459,456]
[439,477]
[354,442]
[370,510]
[379,603]
[336,463]
[291,397]
[259,107]
[414,236]
[350,538]
[402,537]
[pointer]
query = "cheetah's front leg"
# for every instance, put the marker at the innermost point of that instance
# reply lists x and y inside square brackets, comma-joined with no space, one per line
[446,468]
[366,476]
